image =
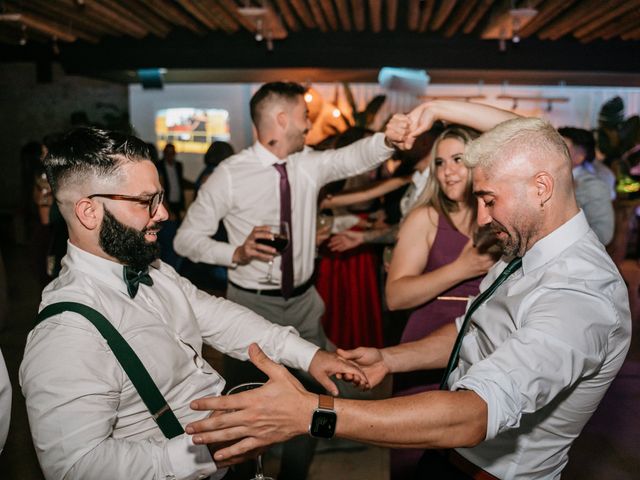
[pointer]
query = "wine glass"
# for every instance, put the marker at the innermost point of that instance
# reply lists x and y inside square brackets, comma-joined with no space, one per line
[243,387]
[280,241]
[324,220]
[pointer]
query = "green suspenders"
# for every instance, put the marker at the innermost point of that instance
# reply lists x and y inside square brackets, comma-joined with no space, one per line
[135,370]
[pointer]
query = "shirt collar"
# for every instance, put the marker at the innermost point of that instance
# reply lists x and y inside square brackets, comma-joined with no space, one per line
[265,157]
[102,269]
[556,242]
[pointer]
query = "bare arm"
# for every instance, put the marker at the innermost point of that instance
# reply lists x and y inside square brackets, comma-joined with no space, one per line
[378,190]
[407,286]
[474,115]
[282,409]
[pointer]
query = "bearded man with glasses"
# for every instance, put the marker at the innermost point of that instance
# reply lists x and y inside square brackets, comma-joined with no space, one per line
[116,354]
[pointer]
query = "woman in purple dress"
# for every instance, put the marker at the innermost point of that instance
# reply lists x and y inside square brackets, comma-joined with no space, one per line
[435,265]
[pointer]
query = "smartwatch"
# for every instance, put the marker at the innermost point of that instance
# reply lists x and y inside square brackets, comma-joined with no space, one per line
[324,418]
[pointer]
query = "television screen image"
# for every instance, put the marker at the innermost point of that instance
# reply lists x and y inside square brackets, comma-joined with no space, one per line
[191,130]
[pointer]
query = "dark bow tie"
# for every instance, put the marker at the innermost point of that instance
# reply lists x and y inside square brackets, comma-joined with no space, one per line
[134,278]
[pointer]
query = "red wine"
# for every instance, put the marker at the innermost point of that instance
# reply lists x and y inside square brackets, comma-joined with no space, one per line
[279,242]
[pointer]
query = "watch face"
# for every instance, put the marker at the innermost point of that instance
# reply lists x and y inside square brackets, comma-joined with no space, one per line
[323,424]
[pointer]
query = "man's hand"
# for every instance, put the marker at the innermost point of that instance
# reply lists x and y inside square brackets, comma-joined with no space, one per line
[250,249]
[371,360]
[346,240]
[275,412]
[397,130]
[421,118]
[325,364]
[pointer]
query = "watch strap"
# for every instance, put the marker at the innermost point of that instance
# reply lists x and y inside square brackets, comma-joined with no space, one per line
[325,402]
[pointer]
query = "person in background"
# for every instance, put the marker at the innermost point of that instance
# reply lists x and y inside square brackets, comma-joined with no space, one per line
[592,193]
[212,278]
[171,173]
[275,181]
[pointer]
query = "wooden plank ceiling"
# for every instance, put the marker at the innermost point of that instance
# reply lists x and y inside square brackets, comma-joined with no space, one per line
[66,21]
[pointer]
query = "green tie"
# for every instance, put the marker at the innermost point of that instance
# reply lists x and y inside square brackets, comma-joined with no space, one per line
[133,278]
[513,265]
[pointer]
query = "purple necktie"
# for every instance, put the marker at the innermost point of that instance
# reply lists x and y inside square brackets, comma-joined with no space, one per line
[285,216]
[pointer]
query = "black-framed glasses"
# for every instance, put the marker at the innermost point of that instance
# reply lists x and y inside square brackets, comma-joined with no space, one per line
[152,202]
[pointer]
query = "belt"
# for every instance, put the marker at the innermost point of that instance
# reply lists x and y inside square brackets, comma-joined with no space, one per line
[297,291]
[466,467]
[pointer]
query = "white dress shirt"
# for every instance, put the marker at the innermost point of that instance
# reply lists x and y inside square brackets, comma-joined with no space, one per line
[5,402]
[244,192]
[543,350]
[410,197]
[87,420]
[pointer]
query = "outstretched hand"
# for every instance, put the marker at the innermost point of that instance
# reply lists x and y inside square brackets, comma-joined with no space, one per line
[371,360]
[325,364]
[275,412]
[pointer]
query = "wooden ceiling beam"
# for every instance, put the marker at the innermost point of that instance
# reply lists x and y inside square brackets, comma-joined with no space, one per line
[317,14]
[303,12]
[459,17]
[329,13]
[632,35]
[547,13]
[77,25]
[477,15]
[343,14]
[41,25]
[191,6]
[615,28]
[375,15]
[174,14]
[359,18]
[570,20]
[132,15]
[161,27]
[392,15]
[608,16]
[444,10]
[287,14]
[124,25]
[427,10]
[215,12]
[413,15]
[231,8]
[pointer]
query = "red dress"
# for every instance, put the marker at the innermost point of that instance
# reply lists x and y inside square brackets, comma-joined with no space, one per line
[348,284]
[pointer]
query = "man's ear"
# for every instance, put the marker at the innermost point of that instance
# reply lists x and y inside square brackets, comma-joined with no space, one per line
[87,213]
[544,184]
[282,119]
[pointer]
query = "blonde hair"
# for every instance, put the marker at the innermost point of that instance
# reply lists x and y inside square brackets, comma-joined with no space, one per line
[432,195]
[531,136]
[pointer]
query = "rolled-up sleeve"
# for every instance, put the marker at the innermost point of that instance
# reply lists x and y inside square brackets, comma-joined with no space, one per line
[543,358]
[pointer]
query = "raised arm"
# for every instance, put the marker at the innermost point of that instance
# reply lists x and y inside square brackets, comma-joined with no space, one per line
[474,115]
[375,191]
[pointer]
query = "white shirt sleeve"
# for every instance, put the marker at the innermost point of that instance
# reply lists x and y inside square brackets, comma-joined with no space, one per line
[5,402]
[543,358]
[193,239]
[231,328]
[72,422]
[353,159]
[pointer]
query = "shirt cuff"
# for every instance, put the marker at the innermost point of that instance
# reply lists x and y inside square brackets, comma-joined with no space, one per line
[298,352]
[189,461]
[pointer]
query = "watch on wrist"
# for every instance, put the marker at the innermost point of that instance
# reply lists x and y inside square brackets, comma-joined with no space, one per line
[324,418]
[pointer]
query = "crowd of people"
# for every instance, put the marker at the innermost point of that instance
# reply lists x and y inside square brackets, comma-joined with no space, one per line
[517,320]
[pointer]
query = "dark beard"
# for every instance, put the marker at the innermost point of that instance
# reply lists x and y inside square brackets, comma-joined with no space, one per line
[126,244]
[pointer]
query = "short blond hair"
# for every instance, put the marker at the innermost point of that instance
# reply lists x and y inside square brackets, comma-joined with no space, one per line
[531,136]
